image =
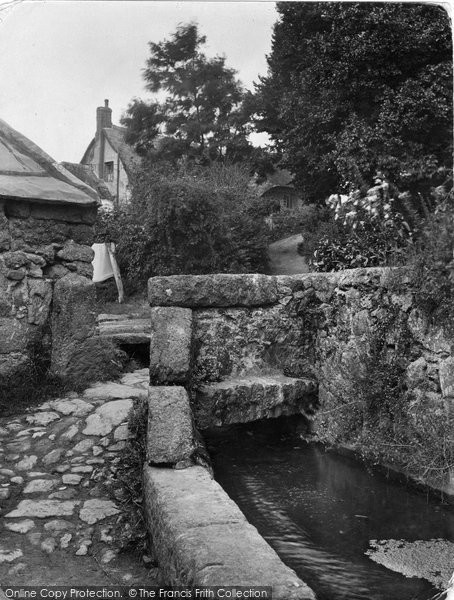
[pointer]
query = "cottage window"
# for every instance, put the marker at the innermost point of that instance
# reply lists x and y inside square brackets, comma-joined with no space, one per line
[109,171]
[287,201]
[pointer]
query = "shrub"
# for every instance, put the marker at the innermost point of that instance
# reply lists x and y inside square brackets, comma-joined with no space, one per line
[96,359]
[369,246]
[34,383]
[128,232]
[366,231]
[186,220]
[432,264]
[379,414]
[28,387]
[305,220]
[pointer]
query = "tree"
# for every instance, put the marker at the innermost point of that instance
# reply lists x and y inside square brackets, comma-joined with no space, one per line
[201,115]
[143,121]
[356,87]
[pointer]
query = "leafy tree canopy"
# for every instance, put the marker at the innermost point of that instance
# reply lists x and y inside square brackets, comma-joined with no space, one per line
[202,114]
[356,87]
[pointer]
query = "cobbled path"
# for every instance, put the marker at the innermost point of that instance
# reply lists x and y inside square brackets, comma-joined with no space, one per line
[58,496]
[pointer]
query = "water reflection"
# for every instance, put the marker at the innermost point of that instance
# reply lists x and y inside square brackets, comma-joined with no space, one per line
[319,511]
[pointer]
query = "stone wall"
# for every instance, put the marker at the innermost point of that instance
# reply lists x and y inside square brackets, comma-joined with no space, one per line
[318,326]
[39,244]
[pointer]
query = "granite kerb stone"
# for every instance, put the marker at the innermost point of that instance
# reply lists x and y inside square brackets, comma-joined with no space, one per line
[201,537]
[170,433]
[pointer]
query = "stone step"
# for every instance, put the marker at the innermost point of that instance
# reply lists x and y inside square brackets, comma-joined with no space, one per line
[126,331]
[106,317]
[249,398]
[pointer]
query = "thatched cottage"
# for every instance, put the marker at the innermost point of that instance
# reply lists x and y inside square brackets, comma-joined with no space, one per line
[110,157]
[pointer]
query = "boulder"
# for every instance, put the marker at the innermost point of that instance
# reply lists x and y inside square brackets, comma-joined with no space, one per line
[14,260]
[75,252]
[73,320]
[15,335]
[39,300]
[12,363]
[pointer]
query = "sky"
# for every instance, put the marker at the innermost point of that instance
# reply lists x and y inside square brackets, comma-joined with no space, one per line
[59,59]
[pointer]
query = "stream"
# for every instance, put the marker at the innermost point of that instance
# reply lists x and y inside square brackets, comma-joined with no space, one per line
[319,510]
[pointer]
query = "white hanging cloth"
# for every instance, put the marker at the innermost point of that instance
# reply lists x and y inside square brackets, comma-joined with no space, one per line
[102,265]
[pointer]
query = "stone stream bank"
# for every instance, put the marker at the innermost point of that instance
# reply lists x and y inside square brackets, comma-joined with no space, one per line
[60,501]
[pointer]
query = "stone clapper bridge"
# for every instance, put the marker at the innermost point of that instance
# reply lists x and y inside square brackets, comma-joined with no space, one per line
[237,348]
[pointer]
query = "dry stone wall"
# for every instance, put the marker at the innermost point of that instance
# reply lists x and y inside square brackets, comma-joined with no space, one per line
[39,245]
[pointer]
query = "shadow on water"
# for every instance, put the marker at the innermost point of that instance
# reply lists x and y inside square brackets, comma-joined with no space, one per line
[319,510]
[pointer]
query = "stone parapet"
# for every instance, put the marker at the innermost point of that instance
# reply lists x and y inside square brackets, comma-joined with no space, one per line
[219,290]
[252,290]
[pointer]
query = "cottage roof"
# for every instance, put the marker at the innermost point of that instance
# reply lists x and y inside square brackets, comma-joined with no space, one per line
[86,174]
[277,181]
[115,135]
[128,156]
[279,190]
[28,173]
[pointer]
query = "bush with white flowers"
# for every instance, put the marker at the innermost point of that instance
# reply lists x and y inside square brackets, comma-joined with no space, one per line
[368,231]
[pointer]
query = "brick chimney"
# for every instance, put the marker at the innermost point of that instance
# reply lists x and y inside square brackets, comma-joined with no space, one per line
[103,117]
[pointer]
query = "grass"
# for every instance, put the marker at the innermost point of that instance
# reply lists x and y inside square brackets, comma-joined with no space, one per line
[132,531]
[31,385]
[19,392]
[135,305]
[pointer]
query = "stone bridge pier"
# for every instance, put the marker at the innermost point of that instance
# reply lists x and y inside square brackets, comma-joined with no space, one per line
[233,343]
